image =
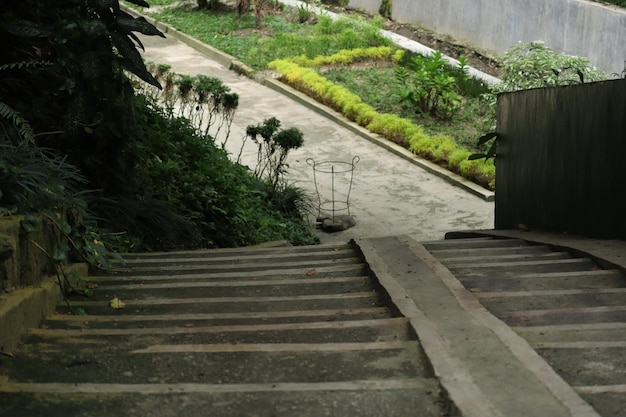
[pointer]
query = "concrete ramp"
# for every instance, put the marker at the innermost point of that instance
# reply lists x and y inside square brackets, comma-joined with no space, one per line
[486,368]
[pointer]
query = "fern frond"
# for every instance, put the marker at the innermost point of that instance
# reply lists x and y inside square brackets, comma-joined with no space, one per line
[23,127]
[24,65]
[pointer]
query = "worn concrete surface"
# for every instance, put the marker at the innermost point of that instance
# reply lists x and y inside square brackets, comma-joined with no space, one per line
[485,367]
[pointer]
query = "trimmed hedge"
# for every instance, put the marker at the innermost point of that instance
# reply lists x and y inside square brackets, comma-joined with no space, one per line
[299,73]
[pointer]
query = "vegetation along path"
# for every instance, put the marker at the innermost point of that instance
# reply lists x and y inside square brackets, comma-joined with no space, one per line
[390,194]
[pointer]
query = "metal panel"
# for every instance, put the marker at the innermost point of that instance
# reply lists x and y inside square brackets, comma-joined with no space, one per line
[561,163]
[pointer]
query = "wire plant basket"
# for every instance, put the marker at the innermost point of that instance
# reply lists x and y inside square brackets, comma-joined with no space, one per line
[341,175]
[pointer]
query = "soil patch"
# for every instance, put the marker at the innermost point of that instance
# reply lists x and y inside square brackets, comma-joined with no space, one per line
[443,44]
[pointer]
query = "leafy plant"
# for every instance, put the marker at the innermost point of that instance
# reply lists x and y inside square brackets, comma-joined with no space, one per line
[304,13]
[36,180]
[77,52]
[273,145]
[491,152]
[385,9]
[534,64]
[429,86]
[32,178]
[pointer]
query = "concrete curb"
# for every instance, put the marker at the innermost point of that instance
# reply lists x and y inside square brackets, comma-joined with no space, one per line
[232,63]
[26,307]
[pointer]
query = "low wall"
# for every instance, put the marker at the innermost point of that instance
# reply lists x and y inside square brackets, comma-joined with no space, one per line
[572,27]
[28,286]
[22,257]
[560,160]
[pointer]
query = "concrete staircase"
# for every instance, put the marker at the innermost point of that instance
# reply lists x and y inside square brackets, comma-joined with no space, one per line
[297,331]
[386,326]
[569,308]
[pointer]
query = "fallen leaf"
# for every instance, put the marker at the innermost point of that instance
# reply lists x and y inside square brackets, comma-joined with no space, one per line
[312,272]
[116,303]
[80,312]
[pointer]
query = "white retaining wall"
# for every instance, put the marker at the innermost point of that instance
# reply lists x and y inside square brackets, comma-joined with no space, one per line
[573,27]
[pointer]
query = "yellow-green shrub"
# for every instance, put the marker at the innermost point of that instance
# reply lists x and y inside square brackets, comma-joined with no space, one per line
[364,114]
[459,155]
[345,56]
[441,149]
[394,128]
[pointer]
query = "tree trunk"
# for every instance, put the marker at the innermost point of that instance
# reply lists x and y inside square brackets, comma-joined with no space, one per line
[243,6]
[258,13]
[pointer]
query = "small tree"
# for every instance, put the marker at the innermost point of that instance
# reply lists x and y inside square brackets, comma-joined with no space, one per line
[258,13]
[243,6]
[274,145]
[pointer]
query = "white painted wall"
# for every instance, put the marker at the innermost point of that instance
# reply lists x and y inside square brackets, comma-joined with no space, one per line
[573,27]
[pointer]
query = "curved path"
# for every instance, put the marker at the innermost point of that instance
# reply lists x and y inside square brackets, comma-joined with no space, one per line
[390,194]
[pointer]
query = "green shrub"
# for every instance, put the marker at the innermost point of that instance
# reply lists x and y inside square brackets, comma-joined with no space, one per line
[227,205]
[385,9]
[534,64]
[428,85]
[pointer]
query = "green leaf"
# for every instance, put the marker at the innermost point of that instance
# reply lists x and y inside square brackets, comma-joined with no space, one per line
[139,3]
[27,29]
[80,311]
[140,24]
[29,224]
[131,58]
[476,156]
[486,138]
[65,227]
[491,153]
[60,253]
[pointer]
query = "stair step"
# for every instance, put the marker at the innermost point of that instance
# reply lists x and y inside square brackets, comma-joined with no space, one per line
[370,330]
[572,333]
[310,270]
[444,254]
[230,267]
[522,267]
[587,367]
[200,305]
[498,258]
[596,279]
[499,302]
[220,364]
[597,314]
[242,258]
[366,398]
[481,242]
[181,289]
[209,254]
[246,318]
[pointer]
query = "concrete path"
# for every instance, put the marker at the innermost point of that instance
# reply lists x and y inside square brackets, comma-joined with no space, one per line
[390,195]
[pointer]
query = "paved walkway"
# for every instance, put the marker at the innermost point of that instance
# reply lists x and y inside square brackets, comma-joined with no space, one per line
[390,195]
